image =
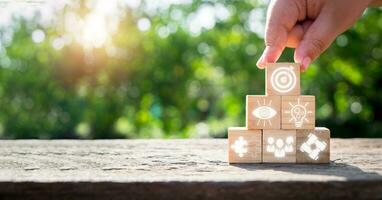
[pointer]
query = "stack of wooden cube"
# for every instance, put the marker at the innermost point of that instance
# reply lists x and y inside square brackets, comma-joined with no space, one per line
[281,124]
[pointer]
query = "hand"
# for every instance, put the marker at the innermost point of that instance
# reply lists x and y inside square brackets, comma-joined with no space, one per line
[309,26]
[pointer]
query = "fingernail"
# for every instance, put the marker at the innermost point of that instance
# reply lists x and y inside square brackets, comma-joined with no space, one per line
[260,62]
[305,63]
[298,59]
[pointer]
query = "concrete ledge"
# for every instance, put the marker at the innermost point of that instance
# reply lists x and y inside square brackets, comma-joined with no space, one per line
[182,169]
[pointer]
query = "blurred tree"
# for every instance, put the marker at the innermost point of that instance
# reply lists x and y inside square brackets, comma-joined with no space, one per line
[153,69]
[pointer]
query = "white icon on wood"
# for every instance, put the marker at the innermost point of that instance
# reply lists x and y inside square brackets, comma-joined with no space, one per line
[240,146]
[264,113]
[279,147]
[313,146]
[283,79]
[298,113]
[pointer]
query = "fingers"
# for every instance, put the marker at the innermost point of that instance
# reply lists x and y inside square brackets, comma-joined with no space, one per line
[316,40]
[281,18]
[297,33]
[295,36]
[333,19]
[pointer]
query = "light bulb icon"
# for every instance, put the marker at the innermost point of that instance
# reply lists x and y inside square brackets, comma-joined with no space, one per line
[298,113]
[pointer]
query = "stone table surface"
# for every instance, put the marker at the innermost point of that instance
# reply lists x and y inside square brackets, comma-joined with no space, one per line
[182,169]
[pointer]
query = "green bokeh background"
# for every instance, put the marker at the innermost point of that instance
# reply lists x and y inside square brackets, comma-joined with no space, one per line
[171,81]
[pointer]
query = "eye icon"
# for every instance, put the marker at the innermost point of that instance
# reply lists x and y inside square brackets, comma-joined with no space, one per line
[264,112]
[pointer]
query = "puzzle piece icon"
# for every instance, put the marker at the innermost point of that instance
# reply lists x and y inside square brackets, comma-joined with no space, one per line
[240,146]
[313,146]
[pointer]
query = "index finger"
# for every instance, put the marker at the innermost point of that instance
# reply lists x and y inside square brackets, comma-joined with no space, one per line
[282,15]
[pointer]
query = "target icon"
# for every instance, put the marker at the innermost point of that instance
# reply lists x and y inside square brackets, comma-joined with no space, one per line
[283,79]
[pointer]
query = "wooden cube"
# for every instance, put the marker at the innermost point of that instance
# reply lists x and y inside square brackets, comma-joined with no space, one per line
[298,112]
[244,146]
[313,146]
[279,146]
[263,112]
[283,79]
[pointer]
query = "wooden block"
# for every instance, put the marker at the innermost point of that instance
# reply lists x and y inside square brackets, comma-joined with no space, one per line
[283,79]
[313,146]
[279,146]
[244,146]
[298,112]
[263,112]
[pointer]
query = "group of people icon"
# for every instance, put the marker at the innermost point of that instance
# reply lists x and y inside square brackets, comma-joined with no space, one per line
[280,147]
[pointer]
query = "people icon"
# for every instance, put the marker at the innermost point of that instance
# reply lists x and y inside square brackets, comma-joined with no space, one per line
[279,147]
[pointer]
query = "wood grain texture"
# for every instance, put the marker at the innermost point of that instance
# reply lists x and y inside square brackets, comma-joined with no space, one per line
[180,169]
[268,107]
[290,119]
[282,79]
[279,146]
[323,136]
[252,147]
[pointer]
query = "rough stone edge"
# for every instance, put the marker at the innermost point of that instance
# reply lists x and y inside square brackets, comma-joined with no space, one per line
[193,190]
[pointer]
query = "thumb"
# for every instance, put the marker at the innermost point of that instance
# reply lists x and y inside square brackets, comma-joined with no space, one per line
[316,40]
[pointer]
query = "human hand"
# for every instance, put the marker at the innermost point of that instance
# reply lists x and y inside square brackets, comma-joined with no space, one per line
[309,26]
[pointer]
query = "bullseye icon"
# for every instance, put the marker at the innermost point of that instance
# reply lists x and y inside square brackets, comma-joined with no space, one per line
[283,79]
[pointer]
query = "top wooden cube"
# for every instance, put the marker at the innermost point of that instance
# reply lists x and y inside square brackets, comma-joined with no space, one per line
[283,79]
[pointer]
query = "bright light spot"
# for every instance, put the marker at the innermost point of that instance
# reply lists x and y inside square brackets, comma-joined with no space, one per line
[251,50]
[144,24]
[172,27]
[83,129]
[203,48]
[356,107]
[7,37]
[221,12]
[202,129]
[95,31]
[324,111]
[176,14]
[96,28]
[106,7]
[163,32]
[73,23]
[154,6]
[133,3]
[38,36]
[203,105]
[58,43]
[342,40]
[256,21]
[123,126]
[205,17]
[5,62]
[263,2]
[68,39]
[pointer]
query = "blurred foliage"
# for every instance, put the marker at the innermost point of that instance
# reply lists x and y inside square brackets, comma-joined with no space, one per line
[154,77]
